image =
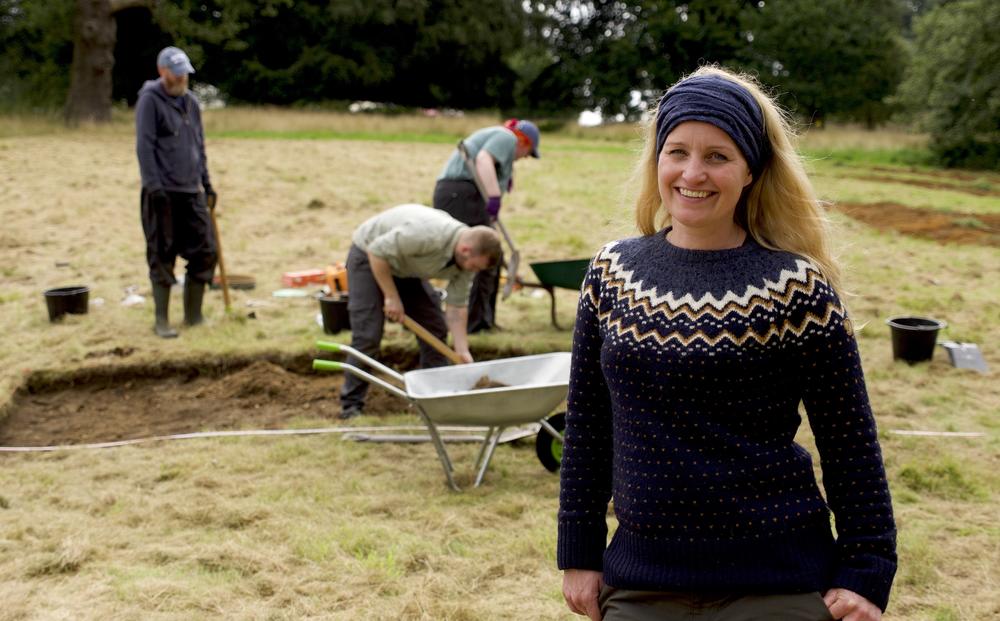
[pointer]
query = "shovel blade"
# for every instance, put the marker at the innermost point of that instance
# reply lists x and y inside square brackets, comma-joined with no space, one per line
[512,264]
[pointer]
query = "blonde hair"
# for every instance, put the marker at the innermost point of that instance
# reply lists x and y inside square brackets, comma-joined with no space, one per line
[781,211]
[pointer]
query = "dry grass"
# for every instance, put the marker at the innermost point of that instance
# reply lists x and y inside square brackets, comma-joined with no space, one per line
[843,137]
[283,120]
[314,527]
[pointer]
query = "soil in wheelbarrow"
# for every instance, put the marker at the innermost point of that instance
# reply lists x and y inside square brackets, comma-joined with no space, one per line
[486,382]
[124,402]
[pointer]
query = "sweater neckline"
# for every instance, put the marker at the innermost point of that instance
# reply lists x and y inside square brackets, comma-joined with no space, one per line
[687,255]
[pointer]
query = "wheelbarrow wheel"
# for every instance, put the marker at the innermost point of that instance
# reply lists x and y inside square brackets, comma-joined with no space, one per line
[548,447]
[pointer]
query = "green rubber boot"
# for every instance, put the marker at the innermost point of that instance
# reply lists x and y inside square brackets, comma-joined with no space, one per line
[161,297]
[194,293]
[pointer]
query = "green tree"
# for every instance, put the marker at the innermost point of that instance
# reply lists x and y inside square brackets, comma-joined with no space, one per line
[36,47]
[603,51]
[832,57]
[952,87]
[410,52]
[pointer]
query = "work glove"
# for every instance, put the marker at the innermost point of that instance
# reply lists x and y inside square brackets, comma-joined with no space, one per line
[210,197]
[493,206]
[158,199]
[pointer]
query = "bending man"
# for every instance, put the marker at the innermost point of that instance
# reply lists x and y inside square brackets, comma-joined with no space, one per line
[391,257]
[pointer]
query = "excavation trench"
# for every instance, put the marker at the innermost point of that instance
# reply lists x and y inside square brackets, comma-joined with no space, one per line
[942,227]
[122,401]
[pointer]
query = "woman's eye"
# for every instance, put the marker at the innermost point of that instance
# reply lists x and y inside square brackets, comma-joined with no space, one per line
[717,157]
[676,152]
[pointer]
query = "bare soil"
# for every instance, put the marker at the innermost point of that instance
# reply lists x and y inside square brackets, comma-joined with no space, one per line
[943,227]
[931,185]
[486,382]
[945,174]
[138,402]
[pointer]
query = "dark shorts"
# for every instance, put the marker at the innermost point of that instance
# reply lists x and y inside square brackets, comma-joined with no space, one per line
[626,605]
[462,201]
[182,227]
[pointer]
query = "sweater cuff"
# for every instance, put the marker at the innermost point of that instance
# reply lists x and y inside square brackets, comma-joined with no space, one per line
[581,547]
[873,584]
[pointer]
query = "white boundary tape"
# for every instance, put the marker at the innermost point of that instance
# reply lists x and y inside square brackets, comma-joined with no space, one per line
[227,434]
[938,434]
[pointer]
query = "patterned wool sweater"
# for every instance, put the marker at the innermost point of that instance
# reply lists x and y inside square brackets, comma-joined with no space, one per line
[688,370]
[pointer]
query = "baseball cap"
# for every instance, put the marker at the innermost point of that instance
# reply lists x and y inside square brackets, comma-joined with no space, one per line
[175,60]
[530,130]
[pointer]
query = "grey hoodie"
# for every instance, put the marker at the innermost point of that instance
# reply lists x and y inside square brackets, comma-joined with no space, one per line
[169,141]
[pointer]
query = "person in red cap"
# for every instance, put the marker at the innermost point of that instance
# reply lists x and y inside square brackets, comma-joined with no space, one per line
[493,151]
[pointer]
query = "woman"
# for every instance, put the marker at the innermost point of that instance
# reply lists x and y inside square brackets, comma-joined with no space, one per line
[694,346]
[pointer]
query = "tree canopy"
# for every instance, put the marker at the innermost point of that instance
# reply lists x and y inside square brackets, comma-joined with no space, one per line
[842,59]
[952,86]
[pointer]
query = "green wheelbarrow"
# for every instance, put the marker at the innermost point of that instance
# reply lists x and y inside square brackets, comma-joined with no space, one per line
[568,274]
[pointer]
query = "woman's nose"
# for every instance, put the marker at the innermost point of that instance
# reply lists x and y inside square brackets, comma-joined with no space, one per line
[694,170]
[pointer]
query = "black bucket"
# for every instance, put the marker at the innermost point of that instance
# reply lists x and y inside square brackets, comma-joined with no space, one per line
[913,338]
[62,300]
[334,311]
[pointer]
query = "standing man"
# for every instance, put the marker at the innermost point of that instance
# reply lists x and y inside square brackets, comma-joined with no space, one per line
[176,191]
[493,151]
[391,257]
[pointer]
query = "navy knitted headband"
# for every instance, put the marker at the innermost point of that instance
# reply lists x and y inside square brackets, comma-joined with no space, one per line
[723,103]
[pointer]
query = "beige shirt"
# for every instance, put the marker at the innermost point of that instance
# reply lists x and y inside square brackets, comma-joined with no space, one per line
[417,242]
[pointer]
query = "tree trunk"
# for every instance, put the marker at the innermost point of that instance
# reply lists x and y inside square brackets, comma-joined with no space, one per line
[95,31]
[94,34]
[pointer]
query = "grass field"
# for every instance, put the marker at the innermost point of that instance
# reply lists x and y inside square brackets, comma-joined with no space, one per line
[315,527]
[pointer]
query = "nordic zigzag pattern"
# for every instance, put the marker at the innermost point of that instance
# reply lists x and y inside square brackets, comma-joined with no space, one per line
[639,312]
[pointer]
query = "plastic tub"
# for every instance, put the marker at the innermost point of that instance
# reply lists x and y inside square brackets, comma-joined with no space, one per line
[62,300]
[334,311]
[913,338]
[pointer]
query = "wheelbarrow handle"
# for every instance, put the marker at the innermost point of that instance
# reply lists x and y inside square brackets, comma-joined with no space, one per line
[330,365]
[327,365]
[347,349]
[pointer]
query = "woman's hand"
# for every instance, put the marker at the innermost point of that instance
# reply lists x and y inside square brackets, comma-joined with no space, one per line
[581,588]
[848,605]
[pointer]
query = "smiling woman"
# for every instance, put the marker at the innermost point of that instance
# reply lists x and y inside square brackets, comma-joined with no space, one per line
[694,346]
[701,177]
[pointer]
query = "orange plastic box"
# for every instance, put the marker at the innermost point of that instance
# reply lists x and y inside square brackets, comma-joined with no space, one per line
[302,278]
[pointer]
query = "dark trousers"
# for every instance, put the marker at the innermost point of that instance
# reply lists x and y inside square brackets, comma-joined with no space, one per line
[181,227]
[625,605]
[462,201]
[364,305]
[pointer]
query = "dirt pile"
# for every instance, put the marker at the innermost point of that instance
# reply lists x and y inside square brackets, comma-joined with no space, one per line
[261,378]
[486,382]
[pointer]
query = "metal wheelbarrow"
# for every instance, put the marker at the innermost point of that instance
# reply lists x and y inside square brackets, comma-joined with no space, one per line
[567,274]
[535,385]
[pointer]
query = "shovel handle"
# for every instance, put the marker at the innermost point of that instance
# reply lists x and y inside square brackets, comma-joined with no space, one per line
[222,263]
[432,340]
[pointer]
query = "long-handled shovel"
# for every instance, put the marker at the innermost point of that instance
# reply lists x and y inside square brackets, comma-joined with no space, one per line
[515,257]
[424,335]
[218,248]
